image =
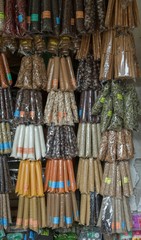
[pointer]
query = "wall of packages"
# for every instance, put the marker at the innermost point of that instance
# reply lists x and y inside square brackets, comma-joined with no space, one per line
[70,119]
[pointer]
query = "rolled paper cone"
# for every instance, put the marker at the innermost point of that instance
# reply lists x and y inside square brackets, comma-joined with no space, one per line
[66,178]
[20,142]
[42,141]
[74,107]
[1,140]
[48,210]
[113,180]
[71,73]
[124,179]
[5,139]
[50,75]
[21,183]
[97,177]
[98,135]
[91,180]
[9,136]
[33,179]
[85,176]
[7,69]
[82,140]
[88,140]
[60,178]
[37,143]
[127,213]
[68,205]
[129,178]
[43,211]
[55,80]
[30,213]
[65,73]
[78,134]
[83,209]
[31,148]
[62,80]
[88,210]
[53,182]
[26,213]
[81,188]
[19,177]
[39,183]
[103,147]
[8,208]
[50,175]
[26,143]
[19,219]
[118,183]
[47,174]
[84,115]
[62,210]
[56,217]
[3,79]
[52,201]
[35,215]
[100,171]
[79,170]
[119,216]
[94,141]
[75,207]
[71,175]
[105,176]
[26,186]
[39,212]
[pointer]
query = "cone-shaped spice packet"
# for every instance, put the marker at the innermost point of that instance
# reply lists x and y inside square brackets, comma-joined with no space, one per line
[7,69]
[35,16]
[56,219]
[62,210]
[55,17]
[46,24]
[21,17]
[66,18]
[10,26]
[79,8]
[68,215]
[20,212]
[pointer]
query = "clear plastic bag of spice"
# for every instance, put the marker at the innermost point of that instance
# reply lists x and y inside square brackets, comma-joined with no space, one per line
[106,114]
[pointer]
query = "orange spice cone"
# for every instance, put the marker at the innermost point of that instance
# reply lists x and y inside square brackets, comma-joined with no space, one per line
[33,179]
[54,176]
[66,178]
[39,186]
[71,175]
[60,180]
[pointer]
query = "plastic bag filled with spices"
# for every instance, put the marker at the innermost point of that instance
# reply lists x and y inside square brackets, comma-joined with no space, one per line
[35,17]
[46,23]
[10,24]
[2,17]
[21,23]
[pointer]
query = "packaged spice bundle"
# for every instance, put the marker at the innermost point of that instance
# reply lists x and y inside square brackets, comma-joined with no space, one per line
[117,180]
[2,20]
[21,23]
[29,142]
[116,146]
[60,74]
[60,109]
[6,105]
[88,140]
[5,138]
[29,182]
[62,210]
[32,74]
[10,24]
[59,176]
[5,75]
[5,180]
[122,15]
[5,213]
[88,74]
[9,44]
[61,142]
[115,216]
[35,17]
[28,107]
[46,24]
[31,213]
[89,176]
[90,208]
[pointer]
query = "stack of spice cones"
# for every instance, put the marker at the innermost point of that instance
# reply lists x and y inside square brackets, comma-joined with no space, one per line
[60,115]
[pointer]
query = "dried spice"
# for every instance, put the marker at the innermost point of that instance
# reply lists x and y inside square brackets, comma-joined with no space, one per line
[121,146]
[79,15]
[55,17]
[89,20]
[97,108]
[21,23]
[46,25]
[35,16]
[106,114]
[39,44]
[101,14]
[66,18]
[112,147]
[2,15]
[10,26]
[56,146]
[25,46]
